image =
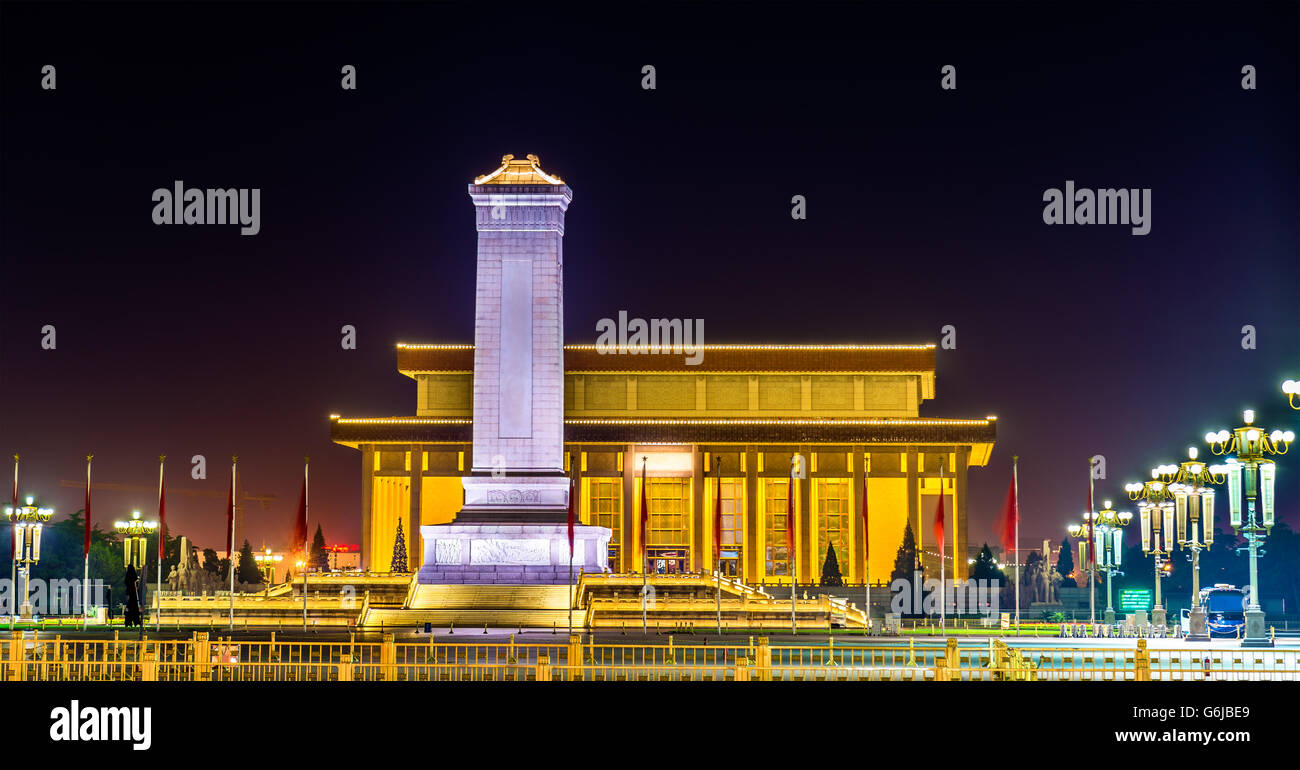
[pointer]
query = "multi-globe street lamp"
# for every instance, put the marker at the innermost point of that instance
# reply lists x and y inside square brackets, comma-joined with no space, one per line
[27,521]
[267,562]
[1292,390]
[1108,540]
[1249,469]
[1189,482]
[135,550]
[1156,512]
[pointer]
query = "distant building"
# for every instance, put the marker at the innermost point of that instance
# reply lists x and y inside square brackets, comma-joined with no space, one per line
[344,557]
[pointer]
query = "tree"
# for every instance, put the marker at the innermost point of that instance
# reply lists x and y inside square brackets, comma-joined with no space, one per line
[986,567]
[248,569]
[831,569]
[905,562]
[1065,562]
[320,558]
[399,551]
[211,563]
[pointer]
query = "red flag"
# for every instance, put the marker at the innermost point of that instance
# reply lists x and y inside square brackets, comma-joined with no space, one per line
[717,519]
[645,516]
[573,492]
[162,513]
[938,521]
[300,519]
[1091,517]
[13,530]
[86,541]
[1010,517]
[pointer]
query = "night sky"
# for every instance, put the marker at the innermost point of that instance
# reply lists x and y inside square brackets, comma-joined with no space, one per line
[924,209]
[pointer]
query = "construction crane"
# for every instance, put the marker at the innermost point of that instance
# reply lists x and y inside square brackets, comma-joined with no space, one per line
[243,496]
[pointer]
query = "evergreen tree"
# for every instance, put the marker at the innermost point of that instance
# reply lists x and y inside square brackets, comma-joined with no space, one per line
[211,563]
[320,558]
[248,570]
[986,567]
[905,562]
[62,556]
[1065,562]
[831,569]
[399,551]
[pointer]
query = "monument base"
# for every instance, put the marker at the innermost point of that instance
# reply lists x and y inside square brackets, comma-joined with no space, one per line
[512,554]
[1255,631]
[1197,626]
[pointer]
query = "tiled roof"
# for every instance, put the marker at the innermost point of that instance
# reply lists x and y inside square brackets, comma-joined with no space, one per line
[716,358]
[686,431]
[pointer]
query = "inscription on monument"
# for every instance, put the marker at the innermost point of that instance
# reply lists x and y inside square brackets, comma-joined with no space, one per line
[516,363]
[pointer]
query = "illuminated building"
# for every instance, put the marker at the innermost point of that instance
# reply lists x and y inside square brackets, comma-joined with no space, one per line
[844,408]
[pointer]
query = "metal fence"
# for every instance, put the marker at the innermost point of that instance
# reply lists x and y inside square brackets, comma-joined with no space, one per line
[205,658]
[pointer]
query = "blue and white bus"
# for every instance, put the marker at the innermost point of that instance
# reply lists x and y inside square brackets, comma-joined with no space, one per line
[1225,611]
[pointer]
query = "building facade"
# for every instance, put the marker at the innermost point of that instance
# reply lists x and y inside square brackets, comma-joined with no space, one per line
[734,425]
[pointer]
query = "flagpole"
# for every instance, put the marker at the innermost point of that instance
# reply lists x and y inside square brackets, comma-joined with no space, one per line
[306,508]
[162,539]
[943,563]
[866,535]
[792,552]
[234,465]
[1015,484]
[85,575]
[645,550]
[13,562]
[1092,561]
[717,540]
[572,512]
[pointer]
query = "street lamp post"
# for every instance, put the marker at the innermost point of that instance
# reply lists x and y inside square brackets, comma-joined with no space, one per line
[1292,390]
[27,521]
[1194,523]
[1252,470]
[267,562]
[135,542]
[1109,543]
[1156,512]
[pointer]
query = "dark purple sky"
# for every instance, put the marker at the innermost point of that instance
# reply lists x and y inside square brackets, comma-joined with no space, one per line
[925,209]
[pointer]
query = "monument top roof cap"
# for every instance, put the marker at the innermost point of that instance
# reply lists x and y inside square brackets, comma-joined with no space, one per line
[518,172]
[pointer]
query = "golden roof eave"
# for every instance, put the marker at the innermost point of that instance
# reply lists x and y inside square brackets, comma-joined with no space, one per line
[527,171]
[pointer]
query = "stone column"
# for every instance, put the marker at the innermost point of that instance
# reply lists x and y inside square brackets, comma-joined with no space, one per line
[512,527]
[699,518]
[367,511]
[959,566]
[914,498]
[518,471]
[414,549]
[809,571]
[754,520]
[629,557]
[855,570]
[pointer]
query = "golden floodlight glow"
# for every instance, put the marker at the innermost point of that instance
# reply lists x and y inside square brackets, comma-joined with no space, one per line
[404,420]
[513,171]
[675,421]
[772,421]
[435,346]
[706,348]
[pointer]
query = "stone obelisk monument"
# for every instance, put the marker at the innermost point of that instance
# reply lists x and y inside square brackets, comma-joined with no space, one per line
[513,526]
